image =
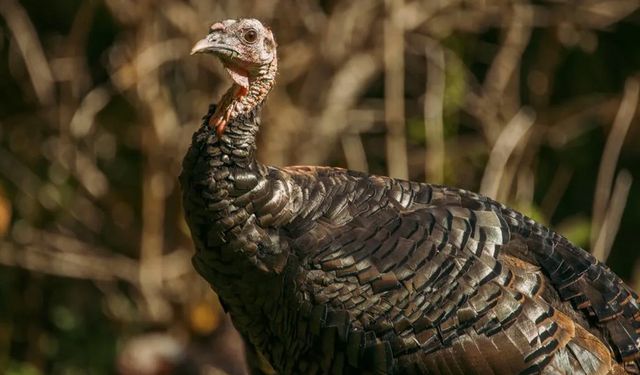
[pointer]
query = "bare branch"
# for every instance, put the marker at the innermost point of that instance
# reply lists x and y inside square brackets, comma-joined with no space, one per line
[84,118]
[60,255]
[554,194]
[81,265]
[503,70]
[394,90]
[344,90]
[611,223]
[354,152]
[507,141]
[28,183]
[29,44]
[610,157]
[433,112]
[505,63]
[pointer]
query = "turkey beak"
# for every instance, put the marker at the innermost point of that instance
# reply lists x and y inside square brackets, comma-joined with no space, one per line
[211,42]
[202,46]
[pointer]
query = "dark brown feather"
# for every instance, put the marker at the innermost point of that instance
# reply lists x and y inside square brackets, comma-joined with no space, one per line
[326,270]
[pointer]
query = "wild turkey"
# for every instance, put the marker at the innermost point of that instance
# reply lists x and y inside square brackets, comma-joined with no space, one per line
[326,270]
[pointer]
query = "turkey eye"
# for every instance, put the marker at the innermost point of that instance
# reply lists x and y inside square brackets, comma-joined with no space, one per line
[250,36]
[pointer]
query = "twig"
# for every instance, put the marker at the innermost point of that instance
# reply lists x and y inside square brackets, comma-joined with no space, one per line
[525,184]
[33,56]
[571,120]
[600,14]
[508,57]
[345,88]
[558,187]
[83,119]
[433,112]
[148,61]
[152,241]
[83,210]
[44,259]
[507,141]
[502,70]
[611,223]
[347,28]
[60,255]
[394,91]
[610,156]
[161,113]
[354,152]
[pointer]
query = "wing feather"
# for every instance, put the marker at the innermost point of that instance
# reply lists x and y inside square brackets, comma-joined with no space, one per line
[443,278]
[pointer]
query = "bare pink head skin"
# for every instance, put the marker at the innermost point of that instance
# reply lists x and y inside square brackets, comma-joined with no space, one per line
[247,50]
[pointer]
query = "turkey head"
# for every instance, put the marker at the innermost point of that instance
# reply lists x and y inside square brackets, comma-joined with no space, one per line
[247,50]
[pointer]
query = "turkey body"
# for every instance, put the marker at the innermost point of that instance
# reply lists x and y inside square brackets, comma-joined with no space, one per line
[332,271]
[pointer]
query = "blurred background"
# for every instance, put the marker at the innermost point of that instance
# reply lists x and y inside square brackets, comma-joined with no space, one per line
[532,103]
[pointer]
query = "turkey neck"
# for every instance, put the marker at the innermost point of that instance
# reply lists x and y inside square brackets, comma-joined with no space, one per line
[238,142]
[227,159]
[241,101]
[221,182]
